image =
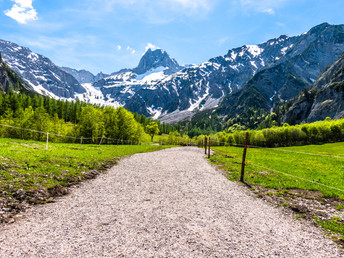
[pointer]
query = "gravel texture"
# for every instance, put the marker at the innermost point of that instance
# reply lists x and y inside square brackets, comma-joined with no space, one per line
[161,204]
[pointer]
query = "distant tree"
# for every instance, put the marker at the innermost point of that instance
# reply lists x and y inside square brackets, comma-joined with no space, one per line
[152,129]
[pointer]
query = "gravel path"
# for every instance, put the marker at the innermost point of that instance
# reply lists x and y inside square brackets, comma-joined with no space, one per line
[166,203]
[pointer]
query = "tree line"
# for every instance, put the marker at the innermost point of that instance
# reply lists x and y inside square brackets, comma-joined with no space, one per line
[320,132]
[73,119]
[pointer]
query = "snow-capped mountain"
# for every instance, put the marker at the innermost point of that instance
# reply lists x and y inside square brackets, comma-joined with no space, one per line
[276,70]
[119,87]
[159,87]
[204,86]
[298,67]
[155,59]
[39,72]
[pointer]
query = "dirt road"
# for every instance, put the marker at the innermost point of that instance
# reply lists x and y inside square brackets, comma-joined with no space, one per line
[170,203]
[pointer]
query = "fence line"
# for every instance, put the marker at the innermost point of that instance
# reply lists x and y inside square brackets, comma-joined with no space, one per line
[284,173]
[307,180]
[66,136]
[278,149]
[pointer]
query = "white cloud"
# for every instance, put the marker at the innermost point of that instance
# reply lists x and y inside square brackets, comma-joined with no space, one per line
[119,47]
[22,11]
[133,51]
[263,6]
[151,46]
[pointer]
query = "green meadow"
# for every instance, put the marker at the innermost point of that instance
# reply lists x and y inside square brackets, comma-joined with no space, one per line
[312,167]
[28,165]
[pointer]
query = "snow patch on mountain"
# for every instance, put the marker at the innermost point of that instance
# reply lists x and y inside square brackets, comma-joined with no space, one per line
[152,75]
[95,96]
[154,112]
[254,50]
[197,103]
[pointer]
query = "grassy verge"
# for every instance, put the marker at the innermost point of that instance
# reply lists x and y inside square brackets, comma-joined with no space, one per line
[269,167]
[277,175]
[30,174]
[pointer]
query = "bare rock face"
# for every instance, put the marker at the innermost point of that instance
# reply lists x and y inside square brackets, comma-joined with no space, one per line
[156,58]
[327,97]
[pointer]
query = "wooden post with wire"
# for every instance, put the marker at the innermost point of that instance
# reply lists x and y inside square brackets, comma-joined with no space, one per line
[209,149]
[80,142]
[46,147]
[101,140]
[244,159]
[205,145]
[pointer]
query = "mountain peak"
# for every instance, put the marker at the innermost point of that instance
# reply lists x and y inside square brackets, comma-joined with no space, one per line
[319,28]
[154,59]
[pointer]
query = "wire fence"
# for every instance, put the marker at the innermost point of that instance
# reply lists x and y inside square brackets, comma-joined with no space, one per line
[250,163]
[218,143]
[107,140]
[80,140]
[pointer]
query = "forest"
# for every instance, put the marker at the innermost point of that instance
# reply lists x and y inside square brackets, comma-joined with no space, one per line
[72,119]
[77,119]
[320,132]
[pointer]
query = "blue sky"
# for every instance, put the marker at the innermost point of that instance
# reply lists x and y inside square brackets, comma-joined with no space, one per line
[108,35]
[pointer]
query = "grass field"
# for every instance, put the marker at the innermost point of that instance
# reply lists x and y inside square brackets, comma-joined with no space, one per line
[269,167]
[284,175]
[28,166]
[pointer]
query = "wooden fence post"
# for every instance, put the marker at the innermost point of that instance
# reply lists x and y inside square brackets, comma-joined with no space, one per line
[205,145]
[46,147]
[209,149]
[101,140]
[243,159]
[80,142]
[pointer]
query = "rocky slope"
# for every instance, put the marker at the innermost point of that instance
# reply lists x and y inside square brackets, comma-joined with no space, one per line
[325,99]
[39,72]
[10,81]
[301,65]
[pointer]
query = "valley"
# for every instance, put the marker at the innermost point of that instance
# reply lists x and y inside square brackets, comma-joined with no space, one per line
[252,76]
[286,92]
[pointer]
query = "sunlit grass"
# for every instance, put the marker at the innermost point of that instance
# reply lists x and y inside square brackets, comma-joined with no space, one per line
[27,165]
[274,165]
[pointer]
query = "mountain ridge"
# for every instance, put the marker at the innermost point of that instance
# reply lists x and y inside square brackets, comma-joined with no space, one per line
[260,76]
[282,82]
[84,76]
[39,71]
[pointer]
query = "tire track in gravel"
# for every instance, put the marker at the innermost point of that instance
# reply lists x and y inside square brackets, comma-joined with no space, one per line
[169,203]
